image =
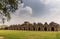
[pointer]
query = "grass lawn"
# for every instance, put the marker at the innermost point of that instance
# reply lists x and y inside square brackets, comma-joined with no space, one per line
[14,34]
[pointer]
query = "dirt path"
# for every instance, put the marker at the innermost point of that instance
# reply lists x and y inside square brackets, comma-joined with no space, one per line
[1,37]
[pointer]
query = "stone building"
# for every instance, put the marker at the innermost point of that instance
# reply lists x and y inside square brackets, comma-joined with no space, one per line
[35,26]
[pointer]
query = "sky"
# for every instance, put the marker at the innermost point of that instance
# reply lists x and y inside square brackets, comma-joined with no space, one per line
[36,11]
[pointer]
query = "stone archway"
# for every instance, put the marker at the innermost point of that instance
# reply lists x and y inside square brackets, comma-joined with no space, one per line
[52,28]
[45,29]
[23,28]
[39,29]
[33,28]
[29,28]
[16,28]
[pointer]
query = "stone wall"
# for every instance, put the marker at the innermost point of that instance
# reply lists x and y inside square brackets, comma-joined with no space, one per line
[35,27]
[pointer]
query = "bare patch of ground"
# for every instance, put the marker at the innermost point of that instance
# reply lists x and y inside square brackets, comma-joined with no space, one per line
[1,37]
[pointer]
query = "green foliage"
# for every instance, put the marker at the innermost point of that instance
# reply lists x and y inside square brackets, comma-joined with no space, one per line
[7,6]
[1,6]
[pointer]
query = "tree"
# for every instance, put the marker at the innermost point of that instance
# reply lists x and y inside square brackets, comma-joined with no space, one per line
[7,7]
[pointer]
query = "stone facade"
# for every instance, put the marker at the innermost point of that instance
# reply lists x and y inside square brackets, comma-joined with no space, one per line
[35,27]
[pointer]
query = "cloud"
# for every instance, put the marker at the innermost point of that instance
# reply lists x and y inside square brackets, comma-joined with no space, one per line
[37,7]
[45,1]
[20,15]
[42,7]
[37,11]
[49,1]
[47,10]
[26,9]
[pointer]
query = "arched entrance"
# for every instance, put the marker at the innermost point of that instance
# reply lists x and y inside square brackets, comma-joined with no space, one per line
[52,29]
[39,29]
[45,29]
[17,29]
[24,28]
[29,28]
[33,28]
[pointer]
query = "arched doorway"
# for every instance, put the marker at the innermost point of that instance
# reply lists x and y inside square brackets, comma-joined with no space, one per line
[29,28]
[52,29]
[33,28]
[45,29]
[39,29]
[17,29]
[24,28]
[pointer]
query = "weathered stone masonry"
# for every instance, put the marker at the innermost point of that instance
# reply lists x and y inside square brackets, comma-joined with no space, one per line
[35,27]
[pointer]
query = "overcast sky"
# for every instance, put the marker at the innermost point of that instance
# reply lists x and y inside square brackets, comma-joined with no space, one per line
[37,11]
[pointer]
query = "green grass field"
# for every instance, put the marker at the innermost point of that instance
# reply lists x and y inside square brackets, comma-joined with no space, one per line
[14,34]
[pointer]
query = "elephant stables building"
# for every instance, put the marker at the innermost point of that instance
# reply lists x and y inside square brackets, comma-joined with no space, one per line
[35,27]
